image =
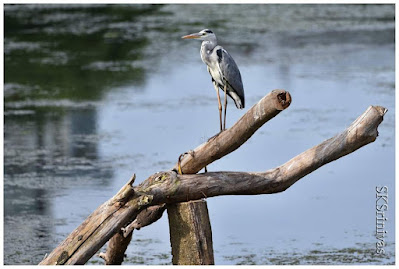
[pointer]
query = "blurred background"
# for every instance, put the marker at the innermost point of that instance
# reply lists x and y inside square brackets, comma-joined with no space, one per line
[95,93]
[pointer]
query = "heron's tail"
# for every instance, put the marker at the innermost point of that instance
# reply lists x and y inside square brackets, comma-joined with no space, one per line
[238,100]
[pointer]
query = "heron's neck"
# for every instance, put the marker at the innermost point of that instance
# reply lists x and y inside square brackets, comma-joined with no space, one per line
[206,50]
[208,45]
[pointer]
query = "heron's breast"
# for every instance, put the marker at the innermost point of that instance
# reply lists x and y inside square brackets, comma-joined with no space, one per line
[214,71]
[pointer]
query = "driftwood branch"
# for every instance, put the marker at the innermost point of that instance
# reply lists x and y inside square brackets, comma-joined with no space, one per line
[169,187]
[83,235]
[112,216]
[231,139]
[118,244]
[189,225]
[145,218]
[116,249]
[191,244]
[194,161]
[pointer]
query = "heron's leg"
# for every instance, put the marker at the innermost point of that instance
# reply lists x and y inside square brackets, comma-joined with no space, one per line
[220,104]
[225,105]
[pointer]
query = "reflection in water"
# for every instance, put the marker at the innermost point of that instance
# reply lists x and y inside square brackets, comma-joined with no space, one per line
[45,152]
[96,92]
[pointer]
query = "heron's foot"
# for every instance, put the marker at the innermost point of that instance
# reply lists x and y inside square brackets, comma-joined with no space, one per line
[216,135]
[179,170]
[179,164]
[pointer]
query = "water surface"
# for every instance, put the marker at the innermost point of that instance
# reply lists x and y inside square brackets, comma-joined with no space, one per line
[95,93]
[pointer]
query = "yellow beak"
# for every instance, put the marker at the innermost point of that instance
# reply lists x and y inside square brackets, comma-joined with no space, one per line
[192,36]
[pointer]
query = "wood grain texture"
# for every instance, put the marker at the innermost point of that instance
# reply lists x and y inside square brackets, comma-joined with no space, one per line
[169,188]
[83,236]
[231,139]
[116,249]
[175,188]
[190,233]
[215,148]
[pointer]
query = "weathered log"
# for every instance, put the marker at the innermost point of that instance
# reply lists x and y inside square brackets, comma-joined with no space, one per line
[145,218]
[169,187]
[83,234]
[198,159]
[118,244]
[191,244]
[266,109]
[83,242]
[231,139]
[116,249]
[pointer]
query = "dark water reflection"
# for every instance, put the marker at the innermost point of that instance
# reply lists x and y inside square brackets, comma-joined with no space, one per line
[94,93]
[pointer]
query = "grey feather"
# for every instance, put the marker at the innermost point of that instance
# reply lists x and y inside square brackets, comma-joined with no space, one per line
[231,74]
[221,66]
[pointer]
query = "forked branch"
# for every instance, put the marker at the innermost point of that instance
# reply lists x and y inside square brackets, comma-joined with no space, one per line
[170,187]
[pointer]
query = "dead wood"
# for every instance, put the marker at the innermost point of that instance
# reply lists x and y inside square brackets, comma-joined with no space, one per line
[195,160]
[83,235]
[191,244]
[231,139]
[116,249]
[170,187]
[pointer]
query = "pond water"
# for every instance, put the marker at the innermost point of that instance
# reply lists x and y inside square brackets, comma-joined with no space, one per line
[95,93]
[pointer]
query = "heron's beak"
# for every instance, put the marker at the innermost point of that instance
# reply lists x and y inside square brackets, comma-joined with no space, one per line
[192,36]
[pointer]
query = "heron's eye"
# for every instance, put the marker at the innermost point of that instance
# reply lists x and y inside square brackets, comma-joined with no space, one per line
[203,33]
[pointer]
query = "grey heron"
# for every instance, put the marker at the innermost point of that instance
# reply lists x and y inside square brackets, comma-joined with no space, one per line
[223,69]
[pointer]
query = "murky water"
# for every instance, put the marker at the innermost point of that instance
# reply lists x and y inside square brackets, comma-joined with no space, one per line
[96,93]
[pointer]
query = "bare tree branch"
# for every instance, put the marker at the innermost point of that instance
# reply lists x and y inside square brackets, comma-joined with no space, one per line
[216,147]
[231,139]
[66,253]
[169,187]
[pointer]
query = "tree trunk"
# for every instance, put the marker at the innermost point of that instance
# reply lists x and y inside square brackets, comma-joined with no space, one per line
[191,252]
[170,187]
[116,249]
[118,244]
[191,244]
[265,110]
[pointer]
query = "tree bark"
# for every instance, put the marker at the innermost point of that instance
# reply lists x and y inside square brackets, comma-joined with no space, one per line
[82,238]
[116,249]
[170,187]
[231,139]
[191,244]
[266,109]
[191,252]
[118,244]
[145,218]
[73,249]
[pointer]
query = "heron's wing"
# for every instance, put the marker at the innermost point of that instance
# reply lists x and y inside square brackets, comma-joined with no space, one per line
[230,72]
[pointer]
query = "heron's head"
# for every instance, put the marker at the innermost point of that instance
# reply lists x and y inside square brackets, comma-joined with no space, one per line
[205,34]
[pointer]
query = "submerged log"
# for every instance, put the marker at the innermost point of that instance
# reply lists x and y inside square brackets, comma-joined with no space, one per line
[170,187]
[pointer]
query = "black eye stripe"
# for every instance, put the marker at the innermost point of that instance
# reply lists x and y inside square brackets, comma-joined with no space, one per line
[209,31]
